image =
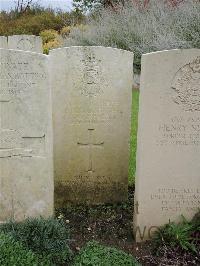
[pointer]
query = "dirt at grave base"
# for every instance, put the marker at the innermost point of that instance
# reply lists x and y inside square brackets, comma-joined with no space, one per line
[112,225]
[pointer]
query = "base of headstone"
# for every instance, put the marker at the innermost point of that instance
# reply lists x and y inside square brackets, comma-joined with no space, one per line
[79,194]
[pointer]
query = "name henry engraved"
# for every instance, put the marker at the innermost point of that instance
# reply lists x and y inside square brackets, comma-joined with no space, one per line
[180,131]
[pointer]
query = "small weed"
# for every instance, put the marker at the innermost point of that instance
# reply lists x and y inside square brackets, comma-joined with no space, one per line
[184,235]
[94,254]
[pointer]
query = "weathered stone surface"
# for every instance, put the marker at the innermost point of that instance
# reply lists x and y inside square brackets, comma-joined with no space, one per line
[3,42]
[26,165]
[25,42]
[91,115]
[168,168]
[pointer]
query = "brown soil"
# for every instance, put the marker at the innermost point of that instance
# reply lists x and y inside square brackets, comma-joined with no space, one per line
[111,225]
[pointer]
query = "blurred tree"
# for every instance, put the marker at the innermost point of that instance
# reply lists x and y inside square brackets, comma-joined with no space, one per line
[88,5]
[23,5]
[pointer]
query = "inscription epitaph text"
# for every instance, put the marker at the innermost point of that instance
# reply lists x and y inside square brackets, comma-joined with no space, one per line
[26,172]
[167,175]
[92,109]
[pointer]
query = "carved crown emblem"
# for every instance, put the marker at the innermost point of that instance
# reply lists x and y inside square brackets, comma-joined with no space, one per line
[186,86]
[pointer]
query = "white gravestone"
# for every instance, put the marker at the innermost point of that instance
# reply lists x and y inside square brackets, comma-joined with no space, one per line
[26,164]
[3,42]
[91,120]
[168,168]
[26,43]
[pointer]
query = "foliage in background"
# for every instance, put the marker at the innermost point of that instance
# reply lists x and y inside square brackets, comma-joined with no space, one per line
[184,235]
[46,237]
[133,139]
[22,6]
[65,32]
[36,19]
[143,30]
[92,5]
[14,253]
[95,254]
[51,40]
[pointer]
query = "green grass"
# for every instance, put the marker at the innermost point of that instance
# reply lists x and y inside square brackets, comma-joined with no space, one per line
[47,238]
[133,141]
[14,253]
[94,254]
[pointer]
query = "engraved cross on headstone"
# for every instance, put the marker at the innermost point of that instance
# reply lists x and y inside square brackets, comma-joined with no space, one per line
[90,145]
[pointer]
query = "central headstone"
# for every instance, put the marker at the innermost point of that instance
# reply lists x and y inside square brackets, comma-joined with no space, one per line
[26,165]
[168,168]
[91,115]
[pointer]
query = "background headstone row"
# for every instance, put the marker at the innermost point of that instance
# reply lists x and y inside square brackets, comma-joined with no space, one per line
[22,42]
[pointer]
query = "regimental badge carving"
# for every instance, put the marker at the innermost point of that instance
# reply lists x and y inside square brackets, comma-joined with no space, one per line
[92,75]
[25,44]
[186,86]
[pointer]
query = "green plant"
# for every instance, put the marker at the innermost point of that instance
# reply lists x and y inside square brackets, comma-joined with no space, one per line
[94,254]
[48,35]
[14,253]
[184,235]
[35,20]
[133,140]
[45,237]
[50,39]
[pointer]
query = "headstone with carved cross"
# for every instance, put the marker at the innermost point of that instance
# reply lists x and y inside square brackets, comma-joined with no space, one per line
[26,174]
[168,168]
[91,116]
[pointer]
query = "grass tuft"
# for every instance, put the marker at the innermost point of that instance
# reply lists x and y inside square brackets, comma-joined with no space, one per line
[184,235]
[45,237]
[94,254]
[133,140]
[14,253]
